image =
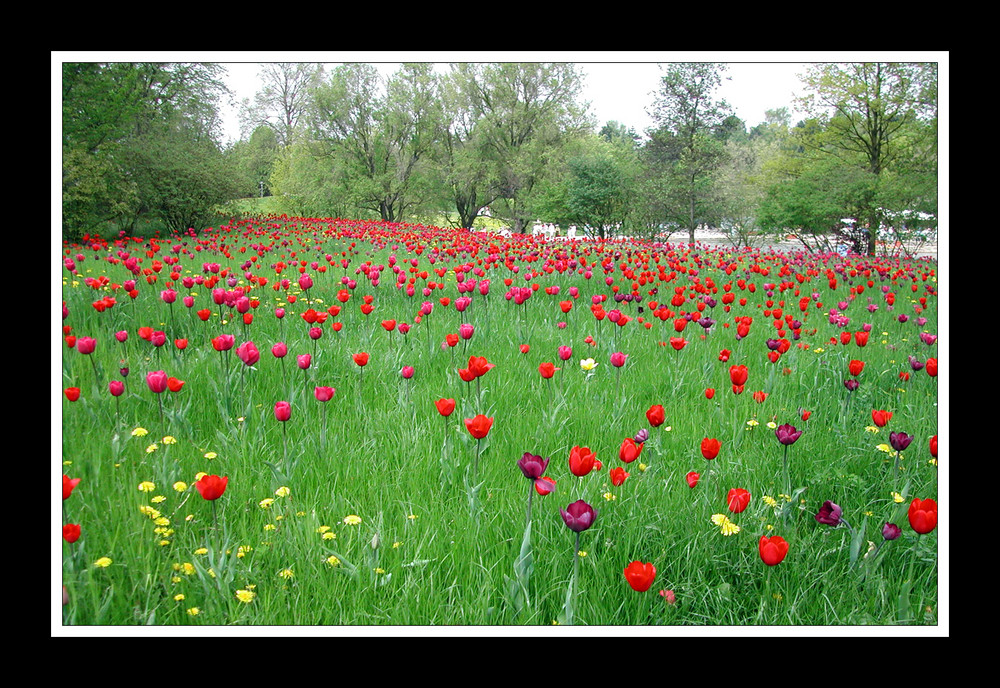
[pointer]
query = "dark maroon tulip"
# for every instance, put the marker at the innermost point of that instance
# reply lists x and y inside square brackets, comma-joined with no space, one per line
[641,436]
[532,466]
[851,385]
[899,440]
[829,513]
[578,516]
[787,434]
[890,531]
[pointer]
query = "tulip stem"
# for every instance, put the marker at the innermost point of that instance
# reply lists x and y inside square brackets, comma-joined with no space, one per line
[531,494]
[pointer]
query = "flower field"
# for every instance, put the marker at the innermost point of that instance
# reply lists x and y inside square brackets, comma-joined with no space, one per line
[304,421]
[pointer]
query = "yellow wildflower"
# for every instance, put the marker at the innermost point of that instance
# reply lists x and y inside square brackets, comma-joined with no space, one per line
[245,596]
[588,364]
[329,536]
[282,492]
[871,428]
[265,503]
[582,553]
[772,425]
[379,570]
[609,497]
[286,574]
[147,486]
[164,543]
[201,550]
[103,562]
[413,517]
[179,597]
[157,499]
[199,475]
[140,432]
[896,497]
[210,455]
[188,568]
[170,439]
[770,501]
[270,527]
[726,527]
[180,486]
[152,448]
[322,529]
[352,520]
[162,521]
[333,561]
[752,423]
[397,545]
[193,611]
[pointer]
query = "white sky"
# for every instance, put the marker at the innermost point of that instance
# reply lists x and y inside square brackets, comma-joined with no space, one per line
[619,84]
[620,87]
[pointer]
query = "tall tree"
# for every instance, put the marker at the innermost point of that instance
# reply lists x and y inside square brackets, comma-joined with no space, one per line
[380,138]
[687,111]
[523,111]
[107,108]
[283,101]
[880,117]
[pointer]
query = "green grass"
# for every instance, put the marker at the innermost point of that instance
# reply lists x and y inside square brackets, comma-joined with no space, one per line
[421,555]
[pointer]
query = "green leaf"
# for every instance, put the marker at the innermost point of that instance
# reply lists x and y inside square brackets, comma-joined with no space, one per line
[857,541]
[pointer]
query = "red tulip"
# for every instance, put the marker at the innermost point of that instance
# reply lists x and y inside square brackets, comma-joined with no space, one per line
[678,343]
[855,367]
[932,366]
[724,355]
[72,393]
[479,366]
[581,461]
[547,370]
[617,475]
[923,515]
[525,348]
[68,485]
[479,427]
[71,532]
[174,385]
[451,339]
[466,374]
[861,338]
[738,374]
[709,393]
[282,411]
[710,448]
[692,478]
[630,450]
[361,359]
[759,396]
[545,485]
[640,576]
[933,446]
[211,487]
[881,418]
[738,500]
[445,406]
[656,415]
[772,550]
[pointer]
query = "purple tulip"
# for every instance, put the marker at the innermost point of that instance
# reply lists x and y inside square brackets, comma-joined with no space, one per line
[890,531]
[532,466]
[787,434]
[578,516]
[829,513]
[899,440]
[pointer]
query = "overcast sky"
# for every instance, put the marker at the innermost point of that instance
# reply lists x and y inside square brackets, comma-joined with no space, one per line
[618,90]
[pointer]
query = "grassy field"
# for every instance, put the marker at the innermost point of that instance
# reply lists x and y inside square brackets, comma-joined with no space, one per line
[373,509]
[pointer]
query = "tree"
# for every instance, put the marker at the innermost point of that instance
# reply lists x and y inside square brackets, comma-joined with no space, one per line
[107,109]
[254,160]
[522,112]
[879,117]
[284,100]
[594,187]
[688,117]
[379,140]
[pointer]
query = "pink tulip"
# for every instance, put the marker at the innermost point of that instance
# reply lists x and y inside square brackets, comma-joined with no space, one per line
[282,410]
[618,359]
[324,394]
[279,350]
[248,353]
[157,381]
